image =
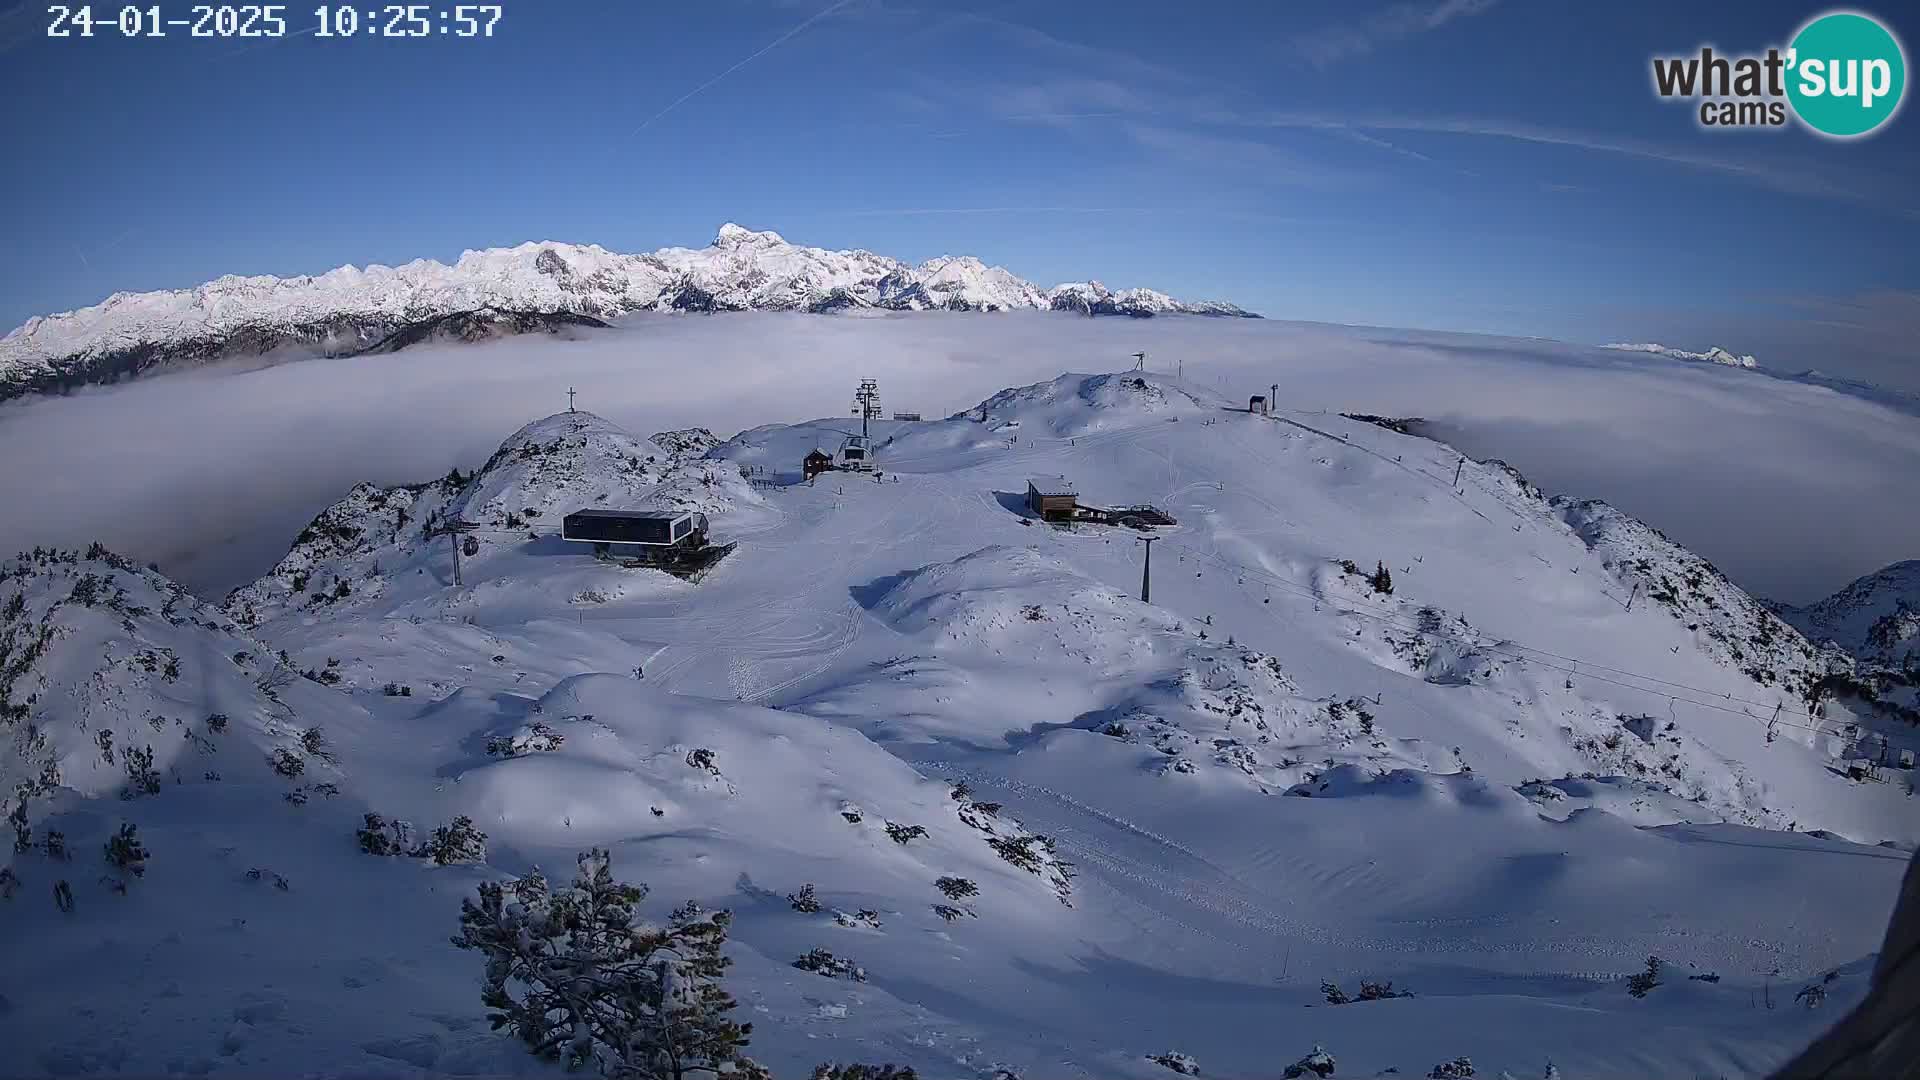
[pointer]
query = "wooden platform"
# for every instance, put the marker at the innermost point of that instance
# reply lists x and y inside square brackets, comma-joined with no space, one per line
[1137,517]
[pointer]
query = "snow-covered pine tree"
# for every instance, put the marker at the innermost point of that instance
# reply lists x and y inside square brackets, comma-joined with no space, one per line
[592,986]
[1381,579]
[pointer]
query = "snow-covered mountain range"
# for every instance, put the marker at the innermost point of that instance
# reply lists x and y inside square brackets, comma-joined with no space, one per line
[552,287]
[1713,355]
[973,805]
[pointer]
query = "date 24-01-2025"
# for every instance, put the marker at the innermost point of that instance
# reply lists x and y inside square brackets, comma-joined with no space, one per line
[270,21]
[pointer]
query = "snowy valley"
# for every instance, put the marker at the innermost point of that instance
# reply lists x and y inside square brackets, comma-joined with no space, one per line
[1393,719]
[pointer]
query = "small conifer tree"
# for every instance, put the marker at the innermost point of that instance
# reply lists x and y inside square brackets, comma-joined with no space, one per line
[573,975]
[126,853]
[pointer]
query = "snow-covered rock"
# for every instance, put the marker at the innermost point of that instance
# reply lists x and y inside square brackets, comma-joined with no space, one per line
[687,442]
[546,286]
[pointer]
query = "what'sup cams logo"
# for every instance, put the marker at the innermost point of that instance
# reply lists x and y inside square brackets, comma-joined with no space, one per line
[1843,76]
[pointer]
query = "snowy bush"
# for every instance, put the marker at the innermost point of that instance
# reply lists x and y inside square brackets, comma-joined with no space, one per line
[866,917]
[382,837]
[1373,991]
[9,882]
[1178,1062]
[1458,1069]
[63,896]
[956,888]
[142,779]
[457,842]
[950,913]
[287,763]
[1368,992]
[575,978]
[261,873]
[804,901]
[702,758]
[1638,985]
[538,738]
[1814,994]
[393,689]
[54,845]
[830,1071]
[1029,851]
[1017,850]
[901,834]
[126,853]
[217,723]
[314,742]
[1318,1062]
[822,962]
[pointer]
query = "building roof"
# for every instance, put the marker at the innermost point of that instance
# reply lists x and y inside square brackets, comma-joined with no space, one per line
[632,515]
[1051,485]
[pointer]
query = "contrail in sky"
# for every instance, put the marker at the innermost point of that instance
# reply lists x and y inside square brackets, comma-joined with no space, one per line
[776,43]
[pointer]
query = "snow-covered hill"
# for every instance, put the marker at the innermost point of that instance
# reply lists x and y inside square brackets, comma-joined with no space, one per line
[1713,355]
[1373,726]
[551,287]
[1876,618]
[115,682]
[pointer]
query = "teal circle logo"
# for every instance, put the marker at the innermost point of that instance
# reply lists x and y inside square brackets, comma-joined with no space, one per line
[1846,74]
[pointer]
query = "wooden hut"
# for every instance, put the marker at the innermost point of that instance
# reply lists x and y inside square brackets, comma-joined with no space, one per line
[1052,498]
[816,463]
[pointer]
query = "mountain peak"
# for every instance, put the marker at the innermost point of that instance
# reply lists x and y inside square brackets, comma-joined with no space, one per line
[1714,354]
[732,235]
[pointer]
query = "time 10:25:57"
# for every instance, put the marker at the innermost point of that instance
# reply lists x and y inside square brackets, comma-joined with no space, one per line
[407,20]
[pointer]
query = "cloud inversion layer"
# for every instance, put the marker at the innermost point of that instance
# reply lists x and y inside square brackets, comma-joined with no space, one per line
[1793,490]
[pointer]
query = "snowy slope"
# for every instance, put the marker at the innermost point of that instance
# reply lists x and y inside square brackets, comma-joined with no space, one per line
[118,682]
[1501,785]
[1728,624]
[1714,355]
[547,286]
[1876,618]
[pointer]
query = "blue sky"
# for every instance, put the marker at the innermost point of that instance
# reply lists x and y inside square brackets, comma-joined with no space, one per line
[1494,165]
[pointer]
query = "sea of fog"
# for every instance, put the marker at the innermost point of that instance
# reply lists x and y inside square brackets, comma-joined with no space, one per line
[1792,489]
